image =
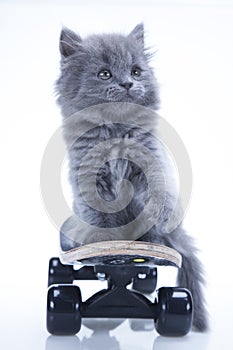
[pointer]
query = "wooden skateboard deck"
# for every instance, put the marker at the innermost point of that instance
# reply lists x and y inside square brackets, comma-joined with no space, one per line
[122,252]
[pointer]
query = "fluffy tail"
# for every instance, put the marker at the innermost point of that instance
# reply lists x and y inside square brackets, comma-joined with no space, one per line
[191,274]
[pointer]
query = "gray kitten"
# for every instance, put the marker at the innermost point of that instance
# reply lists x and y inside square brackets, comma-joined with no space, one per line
[106,69]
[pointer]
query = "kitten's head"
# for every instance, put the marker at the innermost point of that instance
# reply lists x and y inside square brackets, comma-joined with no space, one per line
[104,68]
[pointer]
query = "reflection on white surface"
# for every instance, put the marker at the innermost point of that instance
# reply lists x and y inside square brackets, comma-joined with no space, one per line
[102,335]
[61,343]
[96,339]
[192,341]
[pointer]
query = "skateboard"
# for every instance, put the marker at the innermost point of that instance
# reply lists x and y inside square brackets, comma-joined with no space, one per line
[122,264]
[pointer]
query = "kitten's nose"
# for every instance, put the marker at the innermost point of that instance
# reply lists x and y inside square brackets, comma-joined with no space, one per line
[127,86]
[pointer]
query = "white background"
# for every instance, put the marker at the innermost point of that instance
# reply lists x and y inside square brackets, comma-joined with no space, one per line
[193,64]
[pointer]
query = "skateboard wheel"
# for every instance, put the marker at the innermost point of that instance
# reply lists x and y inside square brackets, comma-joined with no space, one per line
[147,284]
[63,310]
[59,273]
[176,312]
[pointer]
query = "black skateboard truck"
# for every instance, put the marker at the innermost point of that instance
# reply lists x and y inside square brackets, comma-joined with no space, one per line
[172,310]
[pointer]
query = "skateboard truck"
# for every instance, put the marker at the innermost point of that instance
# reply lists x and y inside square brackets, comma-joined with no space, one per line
[172,310]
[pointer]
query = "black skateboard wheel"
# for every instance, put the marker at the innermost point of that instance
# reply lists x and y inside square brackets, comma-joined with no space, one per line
[176,312]
[59,273]
[63,310]
[146,283]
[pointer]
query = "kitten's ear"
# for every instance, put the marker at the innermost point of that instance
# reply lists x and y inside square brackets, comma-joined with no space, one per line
[138,34]
[69,42]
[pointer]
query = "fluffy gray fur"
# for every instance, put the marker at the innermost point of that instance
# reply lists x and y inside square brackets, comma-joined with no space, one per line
[79,86]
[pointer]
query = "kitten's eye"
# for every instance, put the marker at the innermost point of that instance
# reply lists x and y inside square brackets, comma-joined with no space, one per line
[104,74]
[136,72]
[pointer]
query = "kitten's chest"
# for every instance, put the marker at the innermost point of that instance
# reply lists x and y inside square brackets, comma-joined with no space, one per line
[112,152]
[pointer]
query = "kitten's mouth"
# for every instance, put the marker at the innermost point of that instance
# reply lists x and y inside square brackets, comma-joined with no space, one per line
[122,97]
[127,97]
